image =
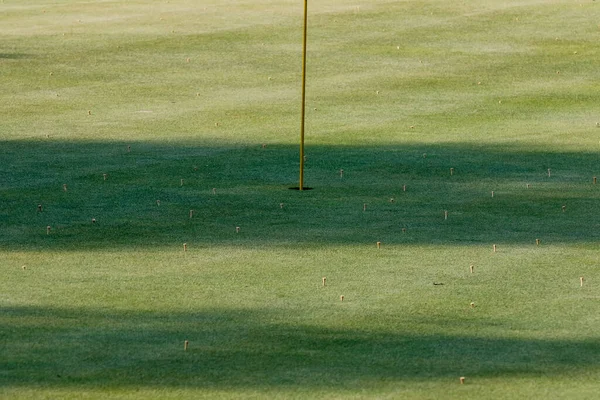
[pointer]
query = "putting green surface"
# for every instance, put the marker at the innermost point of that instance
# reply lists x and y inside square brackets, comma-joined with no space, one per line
[454,134]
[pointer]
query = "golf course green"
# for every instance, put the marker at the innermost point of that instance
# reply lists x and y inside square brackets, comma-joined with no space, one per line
[151,247]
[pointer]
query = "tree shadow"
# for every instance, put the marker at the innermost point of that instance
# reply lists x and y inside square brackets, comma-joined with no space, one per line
[14,56]
[143,194]
[50,347]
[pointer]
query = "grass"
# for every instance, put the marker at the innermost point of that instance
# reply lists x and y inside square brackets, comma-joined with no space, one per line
[398,93]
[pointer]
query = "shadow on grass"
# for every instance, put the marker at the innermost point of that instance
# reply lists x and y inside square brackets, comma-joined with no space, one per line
[13,56]
[143,195]
[51,347]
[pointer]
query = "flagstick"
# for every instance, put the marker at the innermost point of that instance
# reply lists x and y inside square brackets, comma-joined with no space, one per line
[303,109]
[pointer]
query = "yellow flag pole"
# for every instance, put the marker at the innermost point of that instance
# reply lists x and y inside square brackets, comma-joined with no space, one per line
[301,186]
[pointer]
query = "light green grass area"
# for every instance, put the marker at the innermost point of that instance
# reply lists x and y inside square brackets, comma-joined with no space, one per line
[147,110]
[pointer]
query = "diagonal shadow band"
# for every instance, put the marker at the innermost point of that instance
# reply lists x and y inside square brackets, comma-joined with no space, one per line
[152,194]
[240,348]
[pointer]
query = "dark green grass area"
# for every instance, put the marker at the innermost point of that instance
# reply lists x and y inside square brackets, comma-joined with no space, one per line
[250,349]
[247,187]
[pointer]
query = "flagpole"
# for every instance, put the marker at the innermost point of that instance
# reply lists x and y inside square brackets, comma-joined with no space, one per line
[303,112]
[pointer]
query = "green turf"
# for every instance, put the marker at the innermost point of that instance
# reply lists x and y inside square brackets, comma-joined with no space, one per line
[197,106]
